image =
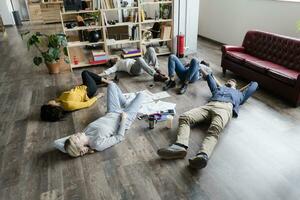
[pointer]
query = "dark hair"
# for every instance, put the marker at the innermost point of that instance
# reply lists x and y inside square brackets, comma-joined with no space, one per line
[51,113]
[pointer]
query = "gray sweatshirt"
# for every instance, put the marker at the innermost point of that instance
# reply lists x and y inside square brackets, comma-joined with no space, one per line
[105,131]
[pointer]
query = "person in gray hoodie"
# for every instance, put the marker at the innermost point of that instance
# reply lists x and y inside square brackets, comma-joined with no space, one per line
[107,130]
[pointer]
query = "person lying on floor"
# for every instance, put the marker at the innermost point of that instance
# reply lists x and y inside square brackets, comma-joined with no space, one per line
[107,130]
[79,97]
[224,104]
[135,67]
[187,74]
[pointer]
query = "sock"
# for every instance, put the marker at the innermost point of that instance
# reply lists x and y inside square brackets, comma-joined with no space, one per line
[181,145]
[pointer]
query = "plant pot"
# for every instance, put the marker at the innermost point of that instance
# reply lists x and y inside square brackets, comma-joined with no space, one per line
[53,68]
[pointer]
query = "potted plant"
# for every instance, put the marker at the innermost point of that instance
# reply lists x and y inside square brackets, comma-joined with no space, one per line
[50,48]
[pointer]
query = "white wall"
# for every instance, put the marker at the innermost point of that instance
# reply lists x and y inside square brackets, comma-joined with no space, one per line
[188,23]
[6,12]
[227,21]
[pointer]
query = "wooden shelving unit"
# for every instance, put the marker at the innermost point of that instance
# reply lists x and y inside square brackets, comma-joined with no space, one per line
[76,48]
[109,44]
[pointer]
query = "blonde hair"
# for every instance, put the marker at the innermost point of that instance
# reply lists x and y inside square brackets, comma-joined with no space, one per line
[71,148]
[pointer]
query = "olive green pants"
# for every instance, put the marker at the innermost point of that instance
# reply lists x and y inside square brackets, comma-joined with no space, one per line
[217,113]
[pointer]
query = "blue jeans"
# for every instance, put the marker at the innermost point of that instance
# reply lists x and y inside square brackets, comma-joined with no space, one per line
[116,102]
[185,74]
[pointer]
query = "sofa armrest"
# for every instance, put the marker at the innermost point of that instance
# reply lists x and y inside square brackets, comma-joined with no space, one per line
[298,82]
[226,48]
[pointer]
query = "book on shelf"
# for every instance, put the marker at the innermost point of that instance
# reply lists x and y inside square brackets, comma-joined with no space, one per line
[92,62]
[130,50]
[131,55]
[101,58]
[98,53]
[142,15]
[165,32]
[109,4]
[98,57]
[134,35]
[105,18]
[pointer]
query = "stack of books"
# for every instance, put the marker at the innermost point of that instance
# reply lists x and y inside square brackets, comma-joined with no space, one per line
[131,52]
[162,49]
[98,57]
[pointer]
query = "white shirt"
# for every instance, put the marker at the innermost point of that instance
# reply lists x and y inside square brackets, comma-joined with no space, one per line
[122,65]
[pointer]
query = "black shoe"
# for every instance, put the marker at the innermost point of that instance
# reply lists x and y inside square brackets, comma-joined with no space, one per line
[160,78]
[204,63]
[199,162]
[183,88]
[170,84]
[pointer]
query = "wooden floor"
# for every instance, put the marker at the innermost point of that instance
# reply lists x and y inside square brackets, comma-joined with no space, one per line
[257,158]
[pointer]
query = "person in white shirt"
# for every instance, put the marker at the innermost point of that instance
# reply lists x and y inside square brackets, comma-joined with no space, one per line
[135,67]
[106,131]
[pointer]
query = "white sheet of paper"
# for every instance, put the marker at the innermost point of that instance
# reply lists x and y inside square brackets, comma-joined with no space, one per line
[155,107]
[160,95]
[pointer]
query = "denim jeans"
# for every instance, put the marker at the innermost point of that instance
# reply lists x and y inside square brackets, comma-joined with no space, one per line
[116,102]
[185,74]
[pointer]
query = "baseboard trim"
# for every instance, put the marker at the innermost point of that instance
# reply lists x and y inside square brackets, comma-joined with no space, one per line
[210,40]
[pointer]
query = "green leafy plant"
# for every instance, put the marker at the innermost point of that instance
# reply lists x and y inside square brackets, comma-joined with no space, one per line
[49,46]
[94,16]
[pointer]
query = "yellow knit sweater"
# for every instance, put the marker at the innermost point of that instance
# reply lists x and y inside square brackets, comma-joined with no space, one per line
[75,99]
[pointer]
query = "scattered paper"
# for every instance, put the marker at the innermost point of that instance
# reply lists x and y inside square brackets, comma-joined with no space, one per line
[160,95]
[149,96]
[156,107]
[151,103]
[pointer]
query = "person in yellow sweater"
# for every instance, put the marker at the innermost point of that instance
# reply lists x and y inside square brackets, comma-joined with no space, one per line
[79,97]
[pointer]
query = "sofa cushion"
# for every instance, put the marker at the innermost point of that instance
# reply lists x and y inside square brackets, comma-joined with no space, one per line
[276,71]
[256,66]
[239,57]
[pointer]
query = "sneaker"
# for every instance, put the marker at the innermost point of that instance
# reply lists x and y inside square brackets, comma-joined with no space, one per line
[204,63]
[157,70]
[183,88]
[160,77]
[170,84]
[172,152]
[199,162]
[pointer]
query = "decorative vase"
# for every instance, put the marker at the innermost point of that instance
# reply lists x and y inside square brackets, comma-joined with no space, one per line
[94,36]
[53,68]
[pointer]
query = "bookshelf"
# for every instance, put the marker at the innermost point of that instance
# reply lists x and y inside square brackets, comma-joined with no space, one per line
[122,27]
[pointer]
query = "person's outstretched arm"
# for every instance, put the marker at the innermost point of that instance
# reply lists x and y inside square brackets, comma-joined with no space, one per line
[76,105]
[211,81]
[104,143]
[110,70]
[248,90]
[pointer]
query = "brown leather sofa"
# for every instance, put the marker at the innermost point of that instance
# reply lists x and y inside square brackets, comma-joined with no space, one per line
[271,60]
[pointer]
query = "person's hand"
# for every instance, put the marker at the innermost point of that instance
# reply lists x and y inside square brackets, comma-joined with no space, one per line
[123,115]
[83,151]
[102,74]
[99,95]
[203,71]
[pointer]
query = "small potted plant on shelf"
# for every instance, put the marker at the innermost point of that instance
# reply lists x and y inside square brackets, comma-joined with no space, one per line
[50,48]
[95,18]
